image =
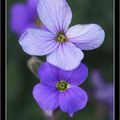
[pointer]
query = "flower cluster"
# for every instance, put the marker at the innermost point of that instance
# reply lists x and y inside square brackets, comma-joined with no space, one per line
[102,91]
[63,70]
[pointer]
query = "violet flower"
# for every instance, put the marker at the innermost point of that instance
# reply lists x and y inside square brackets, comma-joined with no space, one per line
[102,91]
[61,45]
[59,88]
[24,16]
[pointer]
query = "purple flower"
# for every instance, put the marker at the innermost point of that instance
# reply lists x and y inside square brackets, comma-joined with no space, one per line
[59,88]
[24,16]
[61,45]
[103,91]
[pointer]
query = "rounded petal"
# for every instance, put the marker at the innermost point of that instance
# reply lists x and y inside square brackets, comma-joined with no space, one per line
[105,94]
[20,18]
[96,79]
[32,4]
[86,37]
[67,56]
[37,42]
[76,76]
[46,97]
[72,100]
[49,113]
[48,74]
[54,14]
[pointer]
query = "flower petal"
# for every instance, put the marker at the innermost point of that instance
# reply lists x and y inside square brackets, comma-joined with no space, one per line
[20,18]
[76,76]
[67,56]
[72,100]
[86,37]
[48,113]
[55,14]
[48,74]
[97,80]
[46,97]
[32,4]
[37,42]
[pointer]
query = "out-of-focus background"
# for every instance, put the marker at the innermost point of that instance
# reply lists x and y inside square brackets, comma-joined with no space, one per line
[20,80]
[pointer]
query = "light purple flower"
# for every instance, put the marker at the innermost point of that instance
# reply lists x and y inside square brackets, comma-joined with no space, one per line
[23,16]
[61,45]
[59,88]
[102,91]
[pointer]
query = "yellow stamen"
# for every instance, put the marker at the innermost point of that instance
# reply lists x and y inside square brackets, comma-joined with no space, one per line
[38,22]
[62,85]
[61,38]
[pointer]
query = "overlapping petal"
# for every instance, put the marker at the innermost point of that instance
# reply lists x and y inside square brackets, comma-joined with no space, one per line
[86,37]
[67,56]
[38,42]
[76,76]
[46,97]
[48,74]
[72,100]
[55,14]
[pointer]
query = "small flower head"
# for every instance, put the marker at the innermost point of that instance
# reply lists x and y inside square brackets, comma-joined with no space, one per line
[63,49]
[61,89]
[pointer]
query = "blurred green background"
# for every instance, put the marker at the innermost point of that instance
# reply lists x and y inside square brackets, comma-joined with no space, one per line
[20,80]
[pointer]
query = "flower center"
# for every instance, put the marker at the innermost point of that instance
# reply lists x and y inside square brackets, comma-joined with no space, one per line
[62,85]
[61,38]
[37,22]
